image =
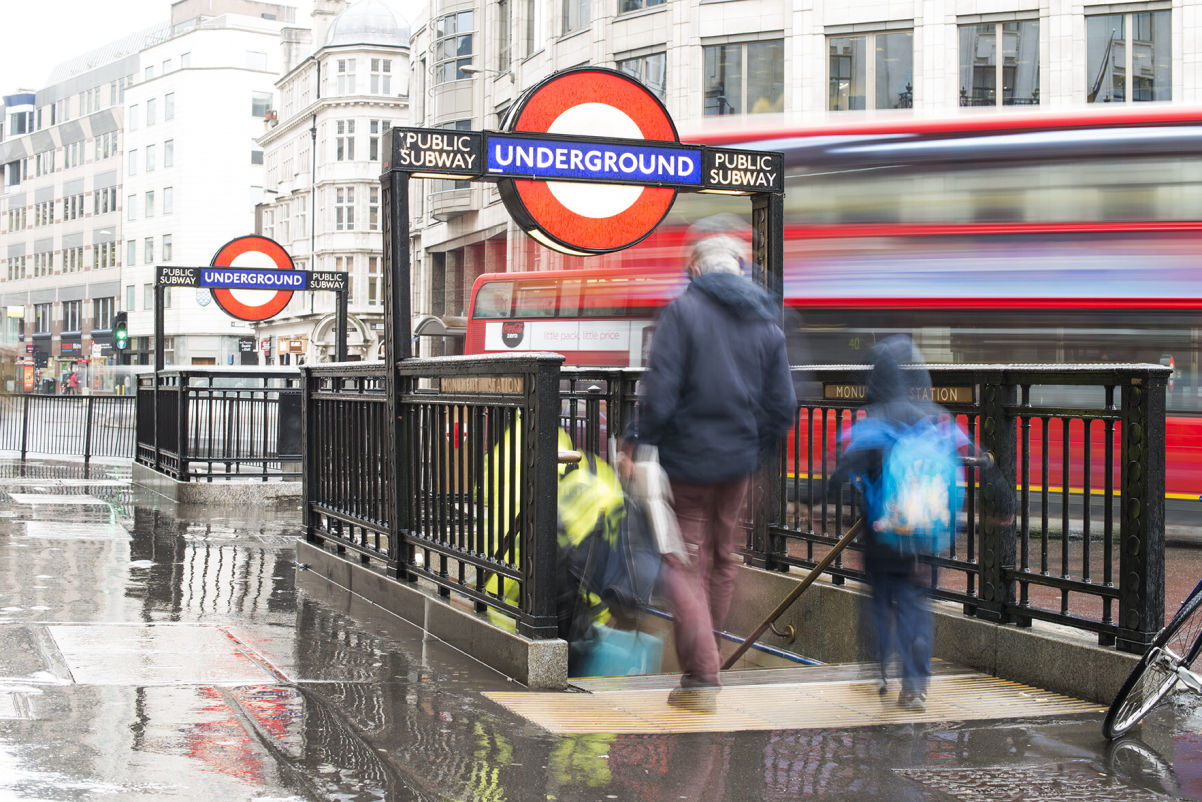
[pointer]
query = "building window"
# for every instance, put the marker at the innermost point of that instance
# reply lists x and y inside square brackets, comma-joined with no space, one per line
[168,200]
[102,313]
[747,78]
[453,46]
[885,81]
[256,156]
[636,5]
[302,208]
[373,209]
[344,71]
[132,167]
[131,297]
[504,35]
[132,122]
[575,15]
[166,247]
[148,296]
[256,60]
[169,153]
[148,250]
[1129,57]
[260,102]
[344,140]
[151,111]
[534,26]
[650,70]
[185,60]
[269,223]
[149,73]
[344,209]
[131,207]
[169,106]
[131,254]
[373,280]
[149,210]
[381,76]
[346,264]
[377,129]
[104,254]
[150,158]
[41,318]
[71,310]
[1004,54]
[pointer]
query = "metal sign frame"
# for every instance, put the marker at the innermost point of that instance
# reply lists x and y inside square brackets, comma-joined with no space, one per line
[463,155]
[220,277]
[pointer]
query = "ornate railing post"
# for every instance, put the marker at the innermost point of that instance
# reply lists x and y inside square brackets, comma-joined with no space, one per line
[539,509]
[1141,534]
[999,436]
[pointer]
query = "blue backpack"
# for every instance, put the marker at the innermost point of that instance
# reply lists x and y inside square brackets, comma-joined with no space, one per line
[912,507]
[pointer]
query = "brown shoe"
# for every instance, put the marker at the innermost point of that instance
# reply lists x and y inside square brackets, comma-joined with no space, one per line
[696,700]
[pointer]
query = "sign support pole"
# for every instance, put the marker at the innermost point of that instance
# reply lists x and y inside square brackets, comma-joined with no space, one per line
[159,361]
[398,346]
[340,335]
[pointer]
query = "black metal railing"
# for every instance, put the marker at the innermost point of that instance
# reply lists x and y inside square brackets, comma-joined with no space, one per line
[1079,449]
[84,426]
[206,424]
[466,500]
[1068,527]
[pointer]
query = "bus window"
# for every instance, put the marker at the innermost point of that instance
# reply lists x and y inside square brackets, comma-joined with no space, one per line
[604,297]
[536,299]
[569,298]
[494,300]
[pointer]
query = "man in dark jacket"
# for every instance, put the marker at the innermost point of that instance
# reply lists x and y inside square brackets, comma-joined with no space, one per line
[715,400]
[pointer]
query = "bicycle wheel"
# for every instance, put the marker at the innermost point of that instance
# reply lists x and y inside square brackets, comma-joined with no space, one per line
[1156,673]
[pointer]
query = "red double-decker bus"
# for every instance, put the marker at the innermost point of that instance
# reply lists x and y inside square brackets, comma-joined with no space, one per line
[988,239]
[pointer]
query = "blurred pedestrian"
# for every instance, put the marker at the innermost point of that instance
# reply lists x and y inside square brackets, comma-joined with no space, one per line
[73,383]
[715,401]
[903,458]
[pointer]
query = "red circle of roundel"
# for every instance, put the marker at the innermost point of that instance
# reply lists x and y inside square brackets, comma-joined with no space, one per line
[225,257]
[533,203]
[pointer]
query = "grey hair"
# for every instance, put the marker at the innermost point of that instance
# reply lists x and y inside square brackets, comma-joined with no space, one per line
[720,254]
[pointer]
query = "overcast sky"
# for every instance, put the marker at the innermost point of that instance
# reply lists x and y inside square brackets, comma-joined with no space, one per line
[39,34]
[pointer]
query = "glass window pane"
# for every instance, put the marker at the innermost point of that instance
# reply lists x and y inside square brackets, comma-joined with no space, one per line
[1020,73]
[895,70]
[723,79]
[1151,56]
[848,74]
[978,65]
[766,77]
[1104,58]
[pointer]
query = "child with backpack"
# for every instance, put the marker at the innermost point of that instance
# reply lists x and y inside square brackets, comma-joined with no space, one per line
[903,459]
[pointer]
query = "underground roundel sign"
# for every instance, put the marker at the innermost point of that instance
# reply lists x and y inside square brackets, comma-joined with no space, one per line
[256,252]
[589,218]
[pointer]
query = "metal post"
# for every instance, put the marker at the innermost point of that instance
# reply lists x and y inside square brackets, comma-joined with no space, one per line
[768,252]
[87,431]
[25,428]
[308,461]
[182,430]
[1141,556]
[397,347]
[539,478]
[340,338]
[159,363]
[998,551]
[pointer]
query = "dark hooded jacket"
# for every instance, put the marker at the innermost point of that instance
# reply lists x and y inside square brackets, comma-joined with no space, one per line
[717,395]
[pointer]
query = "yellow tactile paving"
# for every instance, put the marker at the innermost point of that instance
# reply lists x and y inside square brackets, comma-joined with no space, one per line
[788,705]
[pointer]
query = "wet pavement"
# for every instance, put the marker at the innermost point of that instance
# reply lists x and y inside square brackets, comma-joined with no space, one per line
[150,650]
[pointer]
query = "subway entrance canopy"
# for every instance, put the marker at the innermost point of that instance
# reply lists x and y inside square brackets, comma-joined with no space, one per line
[577,193]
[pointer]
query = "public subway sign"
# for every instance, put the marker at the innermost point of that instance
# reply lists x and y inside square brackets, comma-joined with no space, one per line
[234,278]
[572,190]
[241,283]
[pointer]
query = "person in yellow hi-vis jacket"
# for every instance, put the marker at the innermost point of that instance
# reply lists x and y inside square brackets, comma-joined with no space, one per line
[590,500]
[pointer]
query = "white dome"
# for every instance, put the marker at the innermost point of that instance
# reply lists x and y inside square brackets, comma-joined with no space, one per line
[367,22]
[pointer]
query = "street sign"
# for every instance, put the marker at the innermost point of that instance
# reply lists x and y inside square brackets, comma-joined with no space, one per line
[589,218]
[243,278]
[253,302]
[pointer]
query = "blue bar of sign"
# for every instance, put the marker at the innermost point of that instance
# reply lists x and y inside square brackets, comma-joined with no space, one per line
[236,278]
[555,158]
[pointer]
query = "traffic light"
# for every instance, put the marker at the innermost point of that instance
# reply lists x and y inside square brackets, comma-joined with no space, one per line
[120,332]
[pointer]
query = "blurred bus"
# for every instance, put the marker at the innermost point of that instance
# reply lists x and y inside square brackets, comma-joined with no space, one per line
[1057,237]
